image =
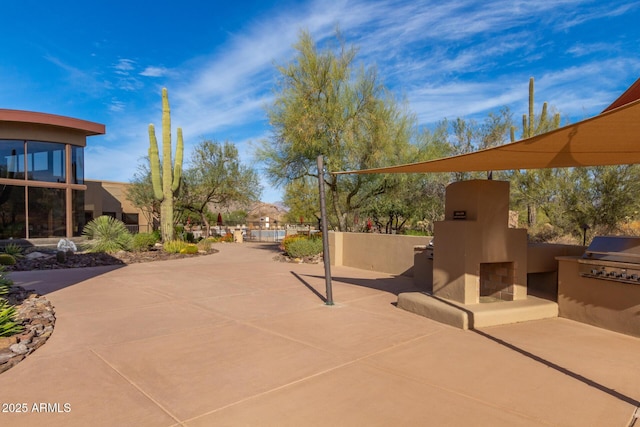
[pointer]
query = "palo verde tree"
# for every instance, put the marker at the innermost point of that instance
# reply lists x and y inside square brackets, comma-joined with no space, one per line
[216,176]
[165,181]
[325,107]
[301,197]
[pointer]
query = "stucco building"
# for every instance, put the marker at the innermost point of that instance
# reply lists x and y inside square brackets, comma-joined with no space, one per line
[43,191]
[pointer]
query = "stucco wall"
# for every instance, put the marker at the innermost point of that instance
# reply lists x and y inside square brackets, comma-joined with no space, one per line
[604,303]
[386,253]
[107,196]
[395,254]
[541,257]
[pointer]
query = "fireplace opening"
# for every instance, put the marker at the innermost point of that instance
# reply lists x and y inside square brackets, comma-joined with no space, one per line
[496,281]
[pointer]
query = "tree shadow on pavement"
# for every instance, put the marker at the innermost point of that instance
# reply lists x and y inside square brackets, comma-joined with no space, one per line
[47,281]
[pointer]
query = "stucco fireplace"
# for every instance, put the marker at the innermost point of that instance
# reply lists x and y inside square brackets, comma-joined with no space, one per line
[477,257]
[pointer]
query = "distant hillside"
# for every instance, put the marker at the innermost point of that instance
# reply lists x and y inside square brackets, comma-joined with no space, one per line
[257,210]
[275,212]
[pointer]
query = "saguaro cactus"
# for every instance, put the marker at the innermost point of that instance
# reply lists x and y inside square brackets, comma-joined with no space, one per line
[531,125]
[165,183]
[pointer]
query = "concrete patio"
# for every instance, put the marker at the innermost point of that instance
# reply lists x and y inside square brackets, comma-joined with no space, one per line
[236,338]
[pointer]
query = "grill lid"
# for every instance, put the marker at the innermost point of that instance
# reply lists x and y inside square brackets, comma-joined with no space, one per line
[614,248]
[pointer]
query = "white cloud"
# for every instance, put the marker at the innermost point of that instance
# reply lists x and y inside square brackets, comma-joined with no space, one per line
[116,106]
[123,66]
[154,72]
[450,59]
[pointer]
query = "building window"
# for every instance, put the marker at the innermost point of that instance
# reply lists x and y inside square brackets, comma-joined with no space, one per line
[111,214]
[78,215]
[77,165]
[130,218]
[131,221]
[12,159]
[46,161]
[47,214]
[12,212]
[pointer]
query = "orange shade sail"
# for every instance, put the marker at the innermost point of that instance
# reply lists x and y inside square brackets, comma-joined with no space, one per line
[610,138]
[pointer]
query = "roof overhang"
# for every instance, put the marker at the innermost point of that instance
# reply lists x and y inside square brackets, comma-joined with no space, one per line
[29,117]
[610,138]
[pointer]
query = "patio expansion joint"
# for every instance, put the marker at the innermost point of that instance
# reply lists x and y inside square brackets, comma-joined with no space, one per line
[634,417]
[456,392]
[275,389]
[308,377]
[140,390]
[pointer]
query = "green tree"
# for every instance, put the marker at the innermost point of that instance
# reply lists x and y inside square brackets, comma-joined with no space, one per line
[464,140]
[428,190]
[468,136]
[216,176]
[414,199]
[140,193]
[324,107]
[533,188]
[601,197]
[301,197]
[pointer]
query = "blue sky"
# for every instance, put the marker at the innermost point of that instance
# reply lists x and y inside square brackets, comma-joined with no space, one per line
[106,61]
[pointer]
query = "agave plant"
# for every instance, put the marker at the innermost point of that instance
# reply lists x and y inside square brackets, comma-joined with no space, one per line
[8,324]
[107,234]
[5,282]
[14,250]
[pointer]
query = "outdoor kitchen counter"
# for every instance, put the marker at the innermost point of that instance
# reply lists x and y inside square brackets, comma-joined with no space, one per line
[609,304]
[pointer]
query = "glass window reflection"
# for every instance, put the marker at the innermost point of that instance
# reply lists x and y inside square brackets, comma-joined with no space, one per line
[46,161]
[47,213]
[12,159]
[77,165]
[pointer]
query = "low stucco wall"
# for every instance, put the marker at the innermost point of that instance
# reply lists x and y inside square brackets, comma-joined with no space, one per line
[392,253]
[542,267]
[395,254]
[541,257]
[386,253]
[603,303]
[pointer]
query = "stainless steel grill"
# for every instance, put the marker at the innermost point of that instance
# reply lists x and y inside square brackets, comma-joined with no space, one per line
[612,258]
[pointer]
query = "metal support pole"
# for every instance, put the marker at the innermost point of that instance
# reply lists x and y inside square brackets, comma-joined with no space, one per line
[325,232]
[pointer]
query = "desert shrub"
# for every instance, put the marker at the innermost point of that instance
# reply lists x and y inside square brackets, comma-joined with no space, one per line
[13,250]
[204,245]
[630,228]
[144,241]
[304,247]
[107,234]
[189,249]
[174,246]
[7,259]
[284,244]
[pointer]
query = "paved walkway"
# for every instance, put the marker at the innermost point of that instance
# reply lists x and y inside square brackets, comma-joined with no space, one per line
[236,339]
